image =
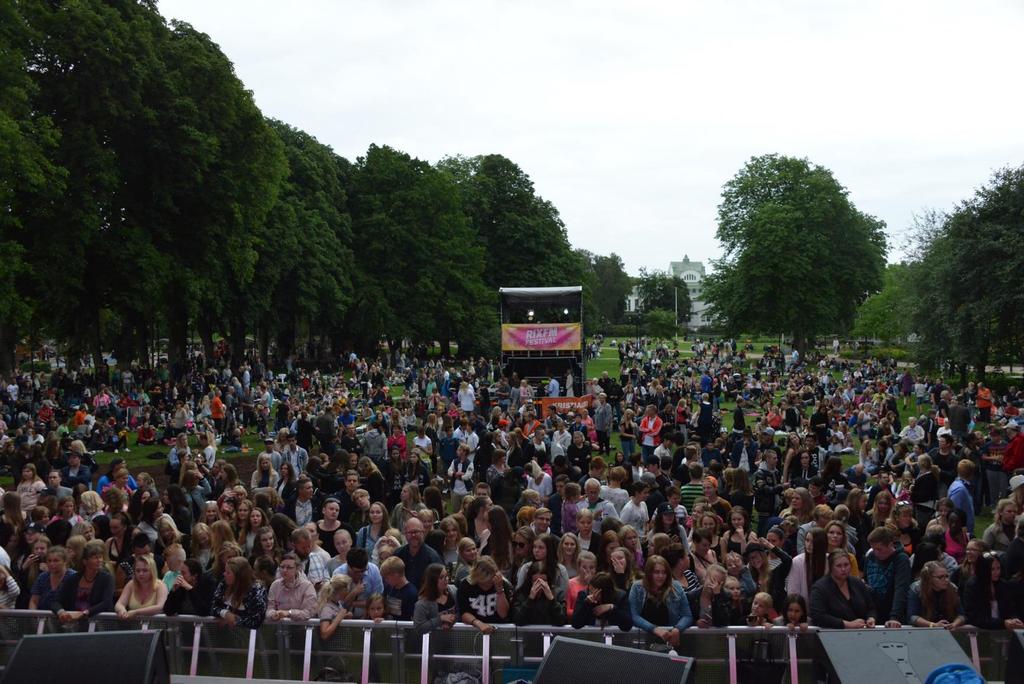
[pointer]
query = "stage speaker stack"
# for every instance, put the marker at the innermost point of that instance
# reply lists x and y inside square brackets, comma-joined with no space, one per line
[897,656]
[574,660]
[134,657]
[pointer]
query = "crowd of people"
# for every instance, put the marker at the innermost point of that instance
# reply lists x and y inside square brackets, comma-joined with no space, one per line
[438,492]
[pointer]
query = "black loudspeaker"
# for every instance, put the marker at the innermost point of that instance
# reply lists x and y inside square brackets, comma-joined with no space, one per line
[889,655]
[134,657]
[573,660]
[1015,663]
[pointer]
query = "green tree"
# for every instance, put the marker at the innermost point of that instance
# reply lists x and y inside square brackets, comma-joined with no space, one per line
[613,286]
[96,72]
[419,268]
[224,168]
[886,315]
[798,256]
[662,290]
[970,315]
[661,323]
[522,234]
[27,175]
[309,259]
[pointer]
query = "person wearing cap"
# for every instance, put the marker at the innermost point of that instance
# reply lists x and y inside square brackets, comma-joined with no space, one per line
[1013,458]
[1017,491]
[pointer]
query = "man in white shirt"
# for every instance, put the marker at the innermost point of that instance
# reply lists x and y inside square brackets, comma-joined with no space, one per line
[594,503]
[913,432]
[465,435]
[634,513]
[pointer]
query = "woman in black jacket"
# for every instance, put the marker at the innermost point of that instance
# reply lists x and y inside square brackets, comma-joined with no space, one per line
[987,585]
[535,600]
[94,579]
[602,604]
[839,601]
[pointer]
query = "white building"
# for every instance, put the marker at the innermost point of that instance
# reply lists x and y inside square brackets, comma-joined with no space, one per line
[692,273]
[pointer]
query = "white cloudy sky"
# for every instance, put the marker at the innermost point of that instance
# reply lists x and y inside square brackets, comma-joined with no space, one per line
[630,115]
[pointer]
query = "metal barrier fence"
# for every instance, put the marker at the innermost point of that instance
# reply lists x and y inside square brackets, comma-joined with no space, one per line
[361,650]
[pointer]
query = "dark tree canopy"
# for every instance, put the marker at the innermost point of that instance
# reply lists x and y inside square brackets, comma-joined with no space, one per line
[969,310]
[662,290]
[799,257]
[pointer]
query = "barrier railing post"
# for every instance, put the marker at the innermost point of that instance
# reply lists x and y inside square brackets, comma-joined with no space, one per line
[794,670]
[732,658]
[364,676]
[92,627]
[518,649]
[41,626]
[975,653]
[485,671]
[307,653]
[284,665]
[398,654]
[425,659]
[607,639]
[193,667]
[547,642]
[250,657]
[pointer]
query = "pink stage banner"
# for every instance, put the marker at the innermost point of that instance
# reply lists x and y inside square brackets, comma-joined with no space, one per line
[531,337]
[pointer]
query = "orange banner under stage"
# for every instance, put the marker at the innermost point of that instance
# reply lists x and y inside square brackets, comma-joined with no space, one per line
[564,404]
[541,337]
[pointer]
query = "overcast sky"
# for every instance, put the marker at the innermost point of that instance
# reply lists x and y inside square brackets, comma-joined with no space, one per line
[629,116]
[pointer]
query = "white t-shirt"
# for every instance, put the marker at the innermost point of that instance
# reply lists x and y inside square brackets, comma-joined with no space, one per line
[544,487]
[635,516]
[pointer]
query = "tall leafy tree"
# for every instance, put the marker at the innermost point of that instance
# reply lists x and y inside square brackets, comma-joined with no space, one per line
[611,286]
[419,270]
[662,290]
[308,261]
[224,168]
[886,315]
[798,256]
[27,174]
[95,69]
[522,234]
[970,313]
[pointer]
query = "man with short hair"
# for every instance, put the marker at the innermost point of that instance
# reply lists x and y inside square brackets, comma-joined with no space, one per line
[74,473]
[887,573]
[300,508]
[54,487]
[415,554]
[635,513]
[293,454]
[603,416]
[768,488]
[541,521]
[312,559]
[593,502]
[366,580]
[960,492]
[693,489]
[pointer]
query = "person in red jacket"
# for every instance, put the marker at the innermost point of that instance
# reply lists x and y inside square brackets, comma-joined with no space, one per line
[1013,457]
[650,432]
